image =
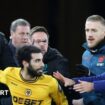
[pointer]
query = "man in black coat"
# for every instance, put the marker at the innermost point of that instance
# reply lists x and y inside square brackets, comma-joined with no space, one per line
[53,59]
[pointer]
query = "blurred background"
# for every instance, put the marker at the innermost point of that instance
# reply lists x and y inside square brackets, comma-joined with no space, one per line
[64,20]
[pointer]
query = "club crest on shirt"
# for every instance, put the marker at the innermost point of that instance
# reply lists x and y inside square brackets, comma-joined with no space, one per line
[28,92]
[101,61]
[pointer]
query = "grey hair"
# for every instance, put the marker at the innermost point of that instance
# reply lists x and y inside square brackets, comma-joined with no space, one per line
[39,29]
[19,22]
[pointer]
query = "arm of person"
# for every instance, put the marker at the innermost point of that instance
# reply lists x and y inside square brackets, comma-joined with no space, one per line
[70,82]
[99,86]
[95,82]
[57,93]
[91,78]
[83,86]
[3,75]
[66,81]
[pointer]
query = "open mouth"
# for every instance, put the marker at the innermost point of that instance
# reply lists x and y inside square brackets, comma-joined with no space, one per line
[40,70]
[91,39]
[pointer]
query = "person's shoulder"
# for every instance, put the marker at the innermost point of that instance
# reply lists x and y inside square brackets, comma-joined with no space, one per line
[50,81]
[86,52]
[12,69]
[53,52]
[3,38]
[49,78]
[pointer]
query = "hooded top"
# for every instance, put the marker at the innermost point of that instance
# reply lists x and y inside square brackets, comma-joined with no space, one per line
[54,61]
[94,60]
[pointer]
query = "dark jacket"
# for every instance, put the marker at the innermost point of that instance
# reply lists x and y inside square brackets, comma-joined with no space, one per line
[54,61]
[4,53]
[6,60]
[12,50]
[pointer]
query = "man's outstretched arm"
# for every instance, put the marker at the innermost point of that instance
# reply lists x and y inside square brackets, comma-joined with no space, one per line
[66,81]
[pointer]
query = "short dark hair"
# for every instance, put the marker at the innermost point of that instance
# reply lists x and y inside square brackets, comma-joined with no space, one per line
[24,53]
[39,29]
[95,18]
[19,22]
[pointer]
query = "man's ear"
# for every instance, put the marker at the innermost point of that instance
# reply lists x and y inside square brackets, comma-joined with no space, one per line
[25,63]
[11,34]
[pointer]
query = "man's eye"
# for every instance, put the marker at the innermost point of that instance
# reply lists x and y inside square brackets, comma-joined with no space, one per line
[38,60]
[44,41]
[86,30]
[94,30]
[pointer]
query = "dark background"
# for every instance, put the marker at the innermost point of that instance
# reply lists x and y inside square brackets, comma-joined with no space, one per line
[64,20]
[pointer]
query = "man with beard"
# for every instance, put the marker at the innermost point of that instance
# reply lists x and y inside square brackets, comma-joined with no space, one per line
[28,85]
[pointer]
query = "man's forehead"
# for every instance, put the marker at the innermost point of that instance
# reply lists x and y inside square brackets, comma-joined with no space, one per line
[23,27]
[94,24]
[37,55]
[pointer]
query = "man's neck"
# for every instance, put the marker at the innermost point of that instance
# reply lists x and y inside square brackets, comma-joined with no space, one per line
[99,45]
[26,76]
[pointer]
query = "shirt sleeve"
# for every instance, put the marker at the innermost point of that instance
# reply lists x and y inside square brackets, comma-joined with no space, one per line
[57,94]
[3,76]
[99,86]
[91,78]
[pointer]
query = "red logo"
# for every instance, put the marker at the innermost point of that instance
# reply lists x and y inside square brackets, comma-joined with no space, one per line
[101,58]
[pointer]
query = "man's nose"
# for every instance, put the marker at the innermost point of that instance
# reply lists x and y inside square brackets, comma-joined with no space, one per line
[26,39]
[42,64]
[41,43]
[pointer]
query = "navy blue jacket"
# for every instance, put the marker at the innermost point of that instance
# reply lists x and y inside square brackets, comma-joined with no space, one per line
[6,60]
[99,81]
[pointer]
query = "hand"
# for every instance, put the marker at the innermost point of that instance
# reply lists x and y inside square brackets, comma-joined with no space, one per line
[66,81]
[83,86]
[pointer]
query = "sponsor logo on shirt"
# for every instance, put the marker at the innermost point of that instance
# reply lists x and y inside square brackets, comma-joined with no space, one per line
[28,92]
[26,101]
